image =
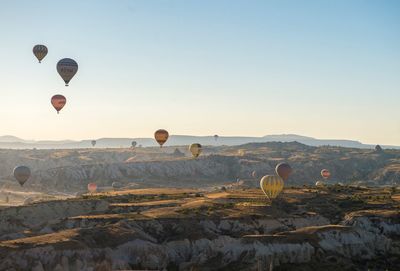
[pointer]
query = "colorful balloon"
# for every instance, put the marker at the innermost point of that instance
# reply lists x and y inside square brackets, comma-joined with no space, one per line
[271,185]
[67,68]
[93,143]
[22,174]
[58,101]
[92,187]
[325,174]
[40,51]
[161,136]
[283,170]
[195,149]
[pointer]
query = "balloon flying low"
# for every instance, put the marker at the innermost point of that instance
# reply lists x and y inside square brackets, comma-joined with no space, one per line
[58,101]
[67,68]
[40,51]
[92,187]
[93,142]
[254,174]
[272,186]
[134,143]
[283,170]
[326,174]
[195,149]
[161,136]
[22,174]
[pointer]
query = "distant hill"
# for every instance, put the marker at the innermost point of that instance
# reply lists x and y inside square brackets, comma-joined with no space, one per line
[12,142]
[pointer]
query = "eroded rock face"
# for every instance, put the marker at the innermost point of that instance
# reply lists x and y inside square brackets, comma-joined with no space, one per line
[37,216]
[141,249]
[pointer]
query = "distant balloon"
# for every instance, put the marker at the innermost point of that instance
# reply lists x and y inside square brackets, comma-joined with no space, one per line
[134,143]
[92,187]
[271,185]
[93,143]
[216,137]
[283,170]
[22,174]
[67,68]
[319,184]
[58,101]
[326,174]
[40,51]
[195,149]
[254,174]
[161,136]
[116,185]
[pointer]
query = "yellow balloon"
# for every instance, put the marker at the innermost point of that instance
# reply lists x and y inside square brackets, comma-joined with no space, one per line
[272,186]
[195,149]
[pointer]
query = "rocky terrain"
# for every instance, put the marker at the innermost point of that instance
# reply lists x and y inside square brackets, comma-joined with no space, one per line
[72,170]
[330,228]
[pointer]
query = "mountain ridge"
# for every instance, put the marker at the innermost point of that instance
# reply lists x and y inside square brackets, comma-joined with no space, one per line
[13,142]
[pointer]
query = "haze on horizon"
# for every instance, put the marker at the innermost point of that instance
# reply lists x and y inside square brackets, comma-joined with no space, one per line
[320,69]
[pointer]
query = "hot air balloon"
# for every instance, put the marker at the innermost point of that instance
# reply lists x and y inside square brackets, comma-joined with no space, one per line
[319,184]
[92,187]
[283,170]
[325,174]
[58,101]
[272,186]
[40,51]
[161,136]
[134,143]
[116,185]
[22,174]
[216,137]
[195,149]
[67,68]
[93,143]
[254,174]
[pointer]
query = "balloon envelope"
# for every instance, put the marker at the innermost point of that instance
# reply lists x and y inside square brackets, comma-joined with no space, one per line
[325,174]
[283,170]
[58,101]
[40,51]
[195,149]
[92,187]
[319,184]
[93,142]
[67,68]
[22,174]
[134,143]
[271,185]
[216,137]
[254,174]
[161,136]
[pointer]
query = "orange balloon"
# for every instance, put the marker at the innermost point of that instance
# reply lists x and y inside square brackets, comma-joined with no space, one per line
[283,170]
[325,173]
[58,101]
[161,136]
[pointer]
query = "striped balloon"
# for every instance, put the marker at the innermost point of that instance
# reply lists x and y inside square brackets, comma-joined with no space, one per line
[40,51]
[67,68]
[271,185]
[58,101]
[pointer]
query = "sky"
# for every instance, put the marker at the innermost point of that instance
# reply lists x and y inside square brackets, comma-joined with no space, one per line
[327,69]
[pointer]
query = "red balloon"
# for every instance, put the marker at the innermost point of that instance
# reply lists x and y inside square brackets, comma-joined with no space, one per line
[325,173]
[161,136]
[58,101]
[283,170]
[92,187]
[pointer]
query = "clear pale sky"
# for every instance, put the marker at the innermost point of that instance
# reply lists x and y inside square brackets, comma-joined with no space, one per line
[327,69]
